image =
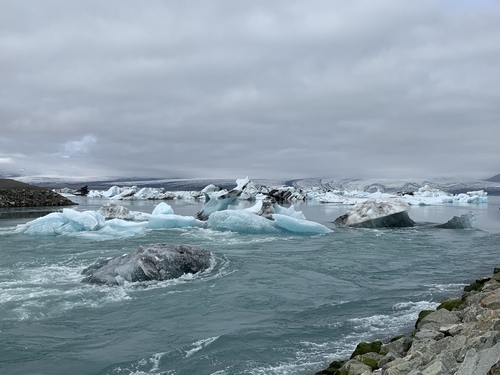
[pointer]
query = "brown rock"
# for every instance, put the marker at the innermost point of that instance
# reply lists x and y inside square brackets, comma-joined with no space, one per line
[491,302]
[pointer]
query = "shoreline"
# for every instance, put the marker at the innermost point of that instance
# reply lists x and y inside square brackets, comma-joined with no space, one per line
[460,337]
[18,194]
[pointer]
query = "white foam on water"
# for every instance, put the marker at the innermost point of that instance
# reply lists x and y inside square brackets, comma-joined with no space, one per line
[51,290]
[219,267]
[405,314]
[198,345]
[232,238]
[445,288]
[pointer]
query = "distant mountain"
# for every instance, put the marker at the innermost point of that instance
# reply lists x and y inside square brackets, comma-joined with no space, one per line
[494,178]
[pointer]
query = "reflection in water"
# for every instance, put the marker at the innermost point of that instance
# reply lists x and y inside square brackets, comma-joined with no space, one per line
[25,212]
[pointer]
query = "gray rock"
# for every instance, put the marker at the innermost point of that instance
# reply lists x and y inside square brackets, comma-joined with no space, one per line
[429,334]
[455,346]
[452,329]
[495,369]
[354,367]
[389,357]
[443,364]
[438,319]
[400,346]
[154,262]
[479,362]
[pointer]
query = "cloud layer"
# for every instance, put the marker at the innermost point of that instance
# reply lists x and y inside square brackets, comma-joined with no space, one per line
[226,89]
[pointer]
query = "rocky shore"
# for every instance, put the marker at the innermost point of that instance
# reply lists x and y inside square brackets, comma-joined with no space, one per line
[460,337]
[18,194]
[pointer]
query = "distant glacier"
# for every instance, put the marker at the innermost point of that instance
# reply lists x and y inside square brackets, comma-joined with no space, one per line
[453,186]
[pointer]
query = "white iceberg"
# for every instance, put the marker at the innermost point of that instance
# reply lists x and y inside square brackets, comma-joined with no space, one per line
[72,222]
[267,207]
[243,221]
[377,214]
[162,209]
[162,221]
[295,225]
[431,196]
[219,200]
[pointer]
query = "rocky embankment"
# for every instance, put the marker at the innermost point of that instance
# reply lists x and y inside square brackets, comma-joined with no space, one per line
[461,337]
[18,194]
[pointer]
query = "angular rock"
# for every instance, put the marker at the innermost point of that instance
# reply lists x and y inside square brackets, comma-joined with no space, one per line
[389,357]
[479,362]
[491,302]
[399,346]
[354,367]
[437,319]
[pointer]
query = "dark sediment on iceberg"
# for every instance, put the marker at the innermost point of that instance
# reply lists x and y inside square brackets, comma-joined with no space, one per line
[460,337]
[18,194]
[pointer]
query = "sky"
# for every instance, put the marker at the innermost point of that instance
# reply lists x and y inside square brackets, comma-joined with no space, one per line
[228,89]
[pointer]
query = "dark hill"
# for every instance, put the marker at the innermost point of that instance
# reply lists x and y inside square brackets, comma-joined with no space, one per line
[494,178]
[18,194]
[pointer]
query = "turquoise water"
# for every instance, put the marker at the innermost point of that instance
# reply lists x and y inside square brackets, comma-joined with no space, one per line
[270,304]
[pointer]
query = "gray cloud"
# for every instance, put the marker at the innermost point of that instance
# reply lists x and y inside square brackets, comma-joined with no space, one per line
[225,89]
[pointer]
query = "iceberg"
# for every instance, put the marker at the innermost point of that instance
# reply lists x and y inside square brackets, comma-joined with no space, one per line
[162,209]
[295,225]
[218,200]
[72,222]
[243,221]
[169,221]
[268,206]
[377,214]
[154,262]
[115,211]
[465,221]
[163,217]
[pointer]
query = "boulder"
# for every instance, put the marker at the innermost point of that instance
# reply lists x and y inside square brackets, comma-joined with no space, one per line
[479,362]
[437,319]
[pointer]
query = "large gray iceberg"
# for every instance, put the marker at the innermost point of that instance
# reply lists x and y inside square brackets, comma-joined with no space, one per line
[465,221]
[154,262]
[390,213]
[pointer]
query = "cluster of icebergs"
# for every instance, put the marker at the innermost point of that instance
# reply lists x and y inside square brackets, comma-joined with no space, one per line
[112,220]
[372,210]
[425,195]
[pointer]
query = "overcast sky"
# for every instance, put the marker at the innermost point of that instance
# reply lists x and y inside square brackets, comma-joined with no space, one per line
[226,89]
